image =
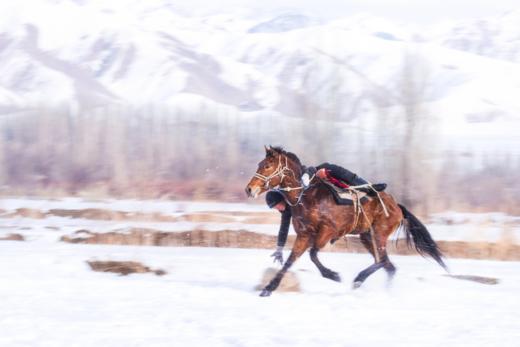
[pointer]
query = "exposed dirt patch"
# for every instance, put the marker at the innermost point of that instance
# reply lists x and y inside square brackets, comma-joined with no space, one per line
[207,217]
[13,237]
[478,279]
[248,239]
[156,217]
[26,213]
[199,238]
[112,215]
[268,219]
[242,213]
[123,267]
[89,213]
[480,250]
[95,214]
[289,283]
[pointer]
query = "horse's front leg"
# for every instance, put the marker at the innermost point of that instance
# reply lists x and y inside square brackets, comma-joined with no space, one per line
[300,245]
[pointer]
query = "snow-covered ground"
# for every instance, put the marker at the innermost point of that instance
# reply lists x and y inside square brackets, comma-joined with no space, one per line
[50,297]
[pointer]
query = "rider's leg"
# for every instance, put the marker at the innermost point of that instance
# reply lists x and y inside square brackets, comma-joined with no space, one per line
[351,178]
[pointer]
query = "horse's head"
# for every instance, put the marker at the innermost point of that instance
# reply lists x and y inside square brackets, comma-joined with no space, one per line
[272,170]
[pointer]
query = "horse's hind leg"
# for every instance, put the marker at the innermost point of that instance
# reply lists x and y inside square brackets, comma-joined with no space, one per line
[381,261]
[366,240]
[320,242]
[300,245]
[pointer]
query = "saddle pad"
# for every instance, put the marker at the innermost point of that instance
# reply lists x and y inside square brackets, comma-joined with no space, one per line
[345,196]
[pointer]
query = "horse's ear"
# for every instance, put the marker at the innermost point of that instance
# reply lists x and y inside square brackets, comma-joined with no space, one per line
[268,151]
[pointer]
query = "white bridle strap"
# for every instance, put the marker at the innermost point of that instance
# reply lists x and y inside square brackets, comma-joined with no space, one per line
[278,172]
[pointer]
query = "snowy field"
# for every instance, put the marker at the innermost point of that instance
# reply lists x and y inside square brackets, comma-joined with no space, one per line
[50,297]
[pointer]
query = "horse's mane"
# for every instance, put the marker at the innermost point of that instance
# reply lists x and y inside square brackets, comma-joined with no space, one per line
[290,155]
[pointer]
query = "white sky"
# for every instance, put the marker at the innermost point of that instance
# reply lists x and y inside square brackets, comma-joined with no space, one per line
[411,11]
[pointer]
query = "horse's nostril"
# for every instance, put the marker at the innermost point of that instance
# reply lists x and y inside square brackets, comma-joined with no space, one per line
[248,191]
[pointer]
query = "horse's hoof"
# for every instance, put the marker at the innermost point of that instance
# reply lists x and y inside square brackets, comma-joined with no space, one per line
[356,284]
[334,276]
[265,292]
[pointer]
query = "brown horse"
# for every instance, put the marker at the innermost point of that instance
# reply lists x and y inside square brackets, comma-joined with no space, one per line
[317,219]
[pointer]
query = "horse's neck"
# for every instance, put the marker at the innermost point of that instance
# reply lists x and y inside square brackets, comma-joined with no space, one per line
[311,196]
[292,196]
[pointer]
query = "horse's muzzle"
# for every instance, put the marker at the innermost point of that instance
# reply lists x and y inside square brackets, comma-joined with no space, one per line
[252,192]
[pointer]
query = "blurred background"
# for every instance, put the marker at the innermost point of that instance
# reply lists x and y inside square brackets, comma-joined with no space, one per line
[127,124]
[159,99]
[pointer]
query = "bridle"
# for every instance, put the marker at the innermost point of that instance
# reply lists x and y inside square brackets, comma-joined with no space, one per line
[280,171]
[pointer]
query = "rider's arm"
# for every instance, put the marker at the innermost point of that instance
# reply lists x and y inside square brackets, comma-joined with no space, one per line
[284,227]
[282,235]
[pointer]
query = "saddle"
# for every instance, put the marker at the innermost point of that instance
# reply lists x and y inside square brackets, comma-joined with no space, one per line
[346,196]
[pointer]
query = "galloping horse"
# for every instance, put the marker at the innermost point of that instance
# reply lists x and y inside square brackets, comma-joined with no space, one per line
[317,219]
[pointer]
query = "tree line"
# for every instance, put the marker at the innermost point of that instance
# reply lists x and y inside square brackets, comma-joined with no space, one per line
[157,152]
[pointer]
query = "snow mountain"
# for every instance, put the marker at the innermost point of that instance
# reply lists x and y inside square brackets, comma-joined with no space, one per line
[94,53]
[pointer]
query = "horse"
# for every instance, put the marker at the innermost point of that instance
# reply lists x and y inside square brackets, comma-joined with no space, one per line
[318,219]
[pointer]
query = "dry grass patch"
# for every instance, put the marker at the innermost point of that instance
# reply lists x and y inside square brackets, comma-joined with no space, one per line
[26,213]
[156,217]
[478,279]
[289,283]
[13,237]
[198,238]
[122,267]
[110,215]
[89,213]
[268,219]
[207,218]
[249,239]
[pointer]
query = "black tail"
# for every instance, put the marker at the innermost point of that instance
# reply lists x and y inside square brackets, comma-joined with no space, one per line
[422,240]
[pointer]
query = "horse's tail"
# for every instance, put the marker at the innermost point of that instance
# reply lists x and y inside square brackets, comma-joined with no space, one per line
[418,236]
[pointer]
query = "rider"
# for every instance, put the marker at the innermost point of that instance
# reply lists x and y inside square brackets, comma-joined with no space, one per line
[344,178]
[336,174]
[276,200]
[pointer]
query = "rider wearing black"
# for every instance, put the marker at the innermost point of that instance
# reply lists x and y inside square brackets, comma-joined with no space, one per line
[335,173]
[276,200]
